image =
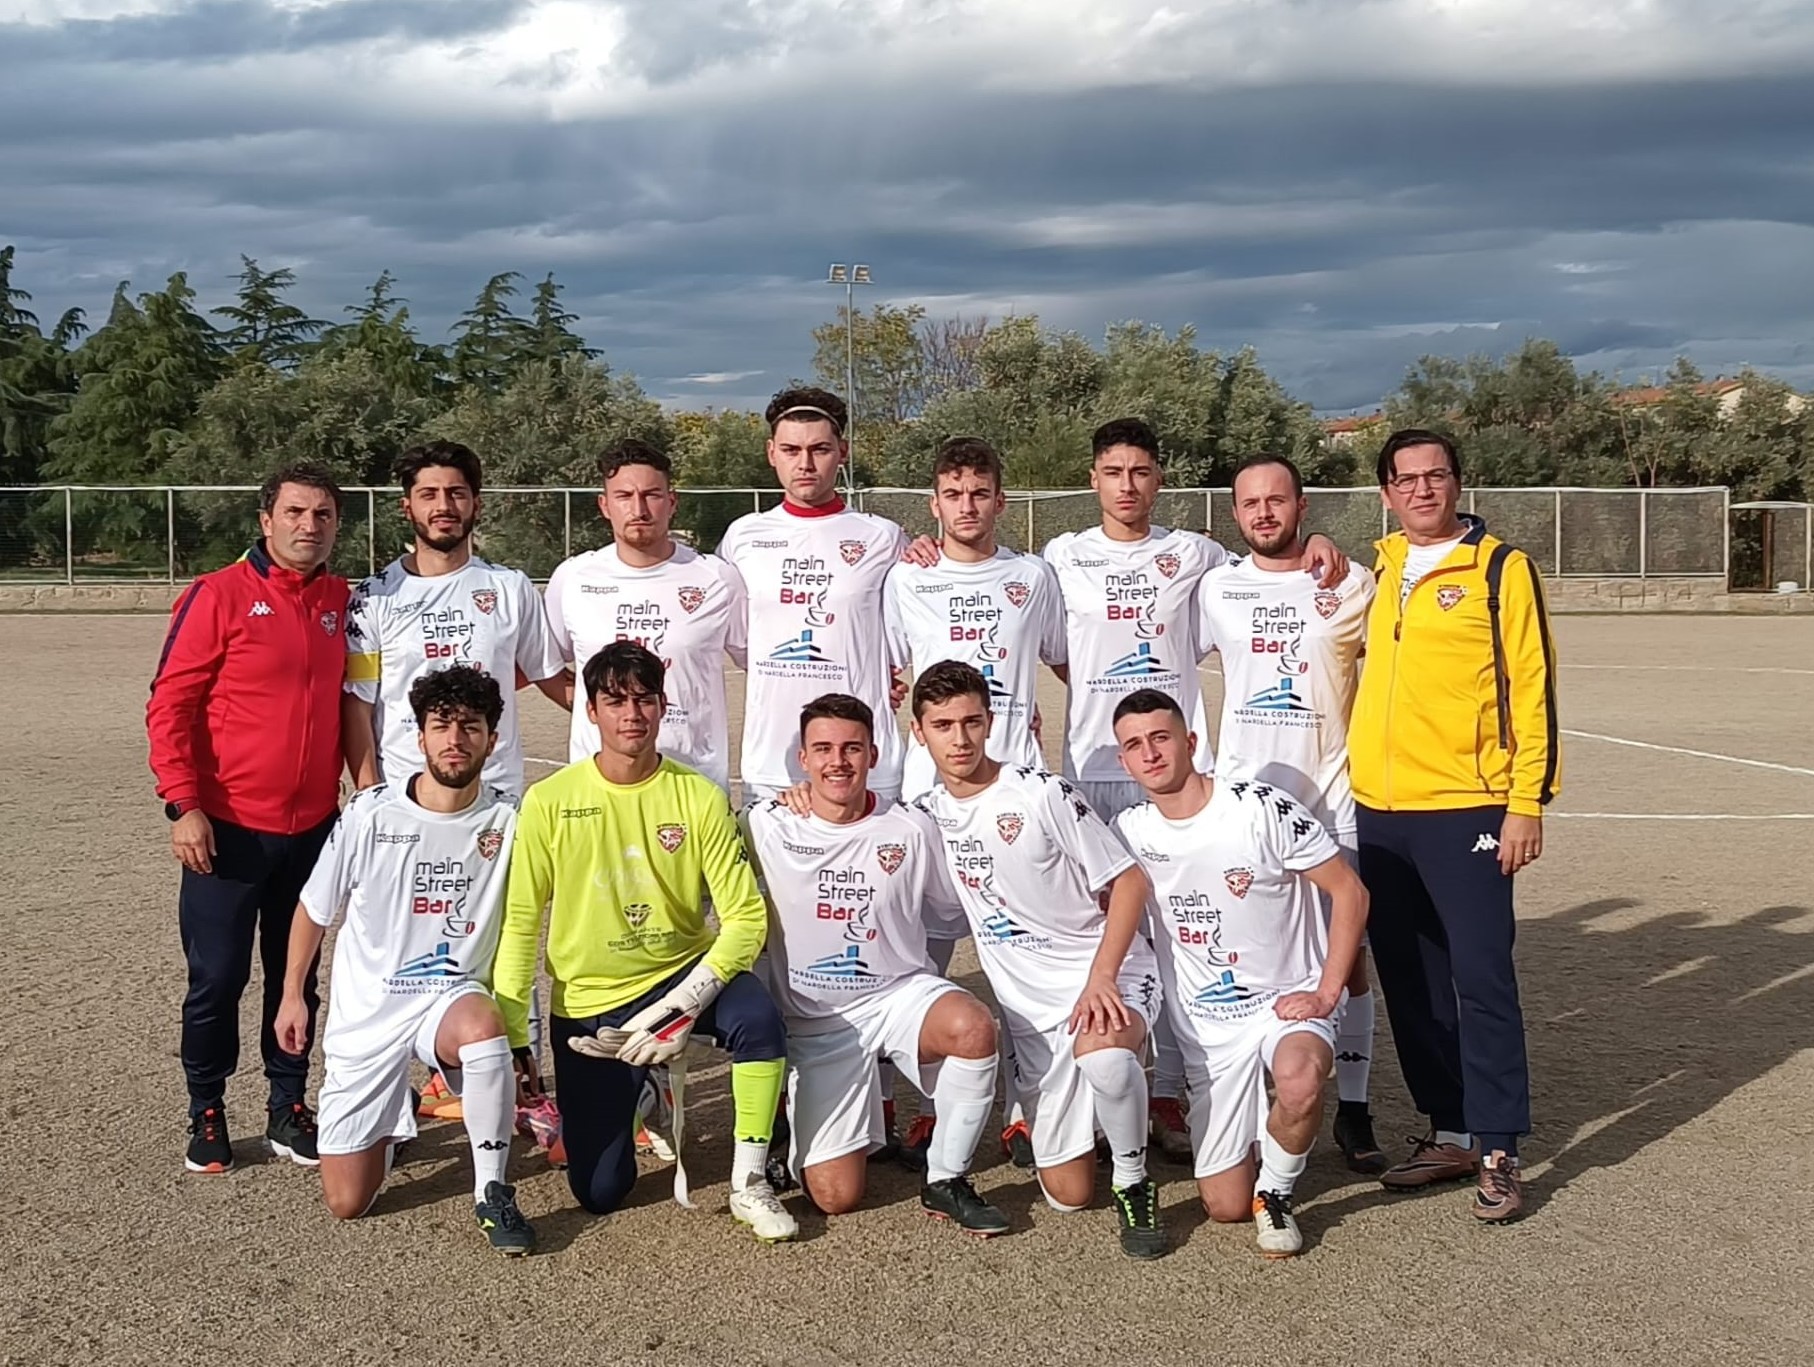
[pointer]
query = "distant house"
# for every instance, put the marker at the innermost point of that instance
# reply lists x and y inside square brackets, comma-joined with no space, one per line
[1726,392]
[1351,431]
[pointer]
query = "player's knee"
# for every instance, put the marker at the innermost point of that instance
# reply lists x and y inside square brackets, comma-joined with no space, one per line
[831,1196]
[1298,1083]
[750,1023]
[347,1203]
[1065,1193]
[971,1034]
[1228,1208]
[600,1192]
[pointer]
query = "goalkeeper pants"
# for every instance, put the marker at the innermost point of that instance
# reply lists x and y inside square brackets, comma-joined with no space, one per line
[597,1097]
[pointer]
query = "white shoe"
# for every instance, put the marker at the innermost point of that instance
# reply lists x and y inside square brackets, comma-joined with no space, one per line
[655,1115]
[1278,1233]
[758,1207]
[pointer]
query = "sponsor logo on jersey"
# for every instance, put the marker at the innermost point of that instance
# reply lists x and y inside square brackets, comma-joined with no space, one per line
[1017,592]
[395,837]
[636,913]
[330,622]
[1224,991]
[600,589]
[1138,663]
[485,600]
[1166,563]
[426,972]
[1279,698]
[690,596]
[490,842]
[261,609]
[799,649]
[809,851]
[999,696]
[671,835]
[1327,603]
[1089,564]
[844,969]
[1008,825]
[890,857]
[1238,596]
[852,551]
[579,813]
[1449,595]
[769,545]
[1238,880]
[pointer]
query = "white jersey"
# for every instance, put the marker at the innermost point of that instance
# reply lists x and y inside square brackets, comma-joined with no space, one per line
[1130,623]
[815,627]
[401,625]
[1290,666]
[1028,856]
[1236,923]
[423,896]
[1003,615]
[689,610]
[846,905]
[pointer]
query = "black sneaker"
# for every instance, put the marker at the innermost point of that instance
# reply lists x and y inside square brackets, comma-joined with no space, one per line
[954,1199]
[291,1135]
[210,1150]
[1354,1137]
[503,1224]
[1017,1143]
[1137,1209]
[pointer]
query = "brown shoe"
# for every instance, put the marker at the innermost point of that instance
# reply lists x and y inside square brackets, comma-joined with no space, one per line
[1430,1163]
[1500,1195]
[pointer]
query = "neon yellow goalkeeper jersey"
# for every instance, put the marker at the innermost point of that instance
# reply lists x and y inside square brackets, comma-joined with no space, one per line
[623,871]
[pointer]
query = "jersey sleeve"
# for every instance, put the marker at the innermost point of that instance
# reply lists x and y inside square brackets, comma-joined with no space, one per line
[364,651]
[555,611]
[1214,553]
[331,881]
[536,653]
[1082,835]
[1297,838]
[939,891]
[1206,618]
[1053,648]
[737,619]
[725,861]
[530,884]
[894,625]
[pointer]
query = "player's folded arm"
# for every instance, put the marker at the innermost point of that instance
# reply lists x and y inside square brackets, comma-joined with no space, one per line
[736,899]
[530,885]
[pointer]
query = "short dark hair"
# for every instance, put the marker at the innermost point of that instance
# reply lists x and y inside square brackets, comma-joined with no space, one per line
[622,663]
[817,402]
[445,454]
[445,691]
[631,451]
[1415,436]
[966,453]
[305,473]
[946,680]
[1145,700]
[837,707]
[1255,461]
[1125,432]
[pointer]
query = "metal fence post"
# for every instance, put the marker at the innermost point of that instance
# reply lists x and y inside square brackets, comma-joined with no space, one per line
[1032,544]
[170,533]
[1643,533]
[566,524]
[1558,533]
[371,533]
[69,540]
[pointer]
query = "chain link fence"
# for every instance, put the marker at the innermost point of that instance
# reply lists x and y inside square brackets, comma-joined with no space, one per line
[76,534]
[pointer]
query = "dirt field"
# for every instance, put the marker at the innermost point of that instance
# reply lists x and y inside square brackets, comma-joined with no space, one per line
[1668,978]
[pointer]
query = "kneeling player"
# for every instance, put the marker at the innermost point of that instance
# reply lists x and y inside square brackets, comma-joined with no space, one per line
[847,962]
[417,866]
[1253,982]
[1077,984]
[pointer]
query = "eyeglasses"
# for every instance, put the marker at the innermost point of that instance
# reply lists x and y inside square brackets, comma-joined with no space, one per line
[1407,482]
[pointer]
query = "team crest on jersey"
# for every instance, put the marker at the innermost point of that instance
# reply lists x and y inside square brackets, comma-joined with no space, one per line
[690,598]
[1238,880]
[636,913]
[330,622]
[485,600]
[1449,595]
[1008,826]
[1166,563]
[672,836]
[1017,592]
[490,842]
[890,857]
[1327,602]
[852,551]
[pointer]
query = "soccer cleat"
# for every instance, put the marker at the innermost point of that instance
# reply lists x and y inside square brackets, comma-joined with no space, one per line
[1354,1137]
[1500,1195]
[291,1135]
[436,1102]
[1137,1210]
[955,1200]
[780,1177]
[758,1207]
[891,1137]
[1429,1163]
[919,1138]
[1017,1143]
[1279,1236]
[1168,1130]
[210,1150]
[502,1223]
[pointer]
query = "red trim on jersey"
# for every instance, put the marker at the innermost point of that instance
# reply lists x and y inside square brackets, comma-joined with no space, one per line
[823,510]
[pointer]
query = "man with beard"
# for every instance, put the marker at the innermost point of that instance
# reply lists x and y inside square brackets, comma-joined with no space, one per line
[417,867]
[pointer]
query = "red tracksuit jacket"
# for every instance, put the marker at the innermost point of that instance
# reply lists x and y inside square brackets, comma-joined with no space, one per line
[244,716]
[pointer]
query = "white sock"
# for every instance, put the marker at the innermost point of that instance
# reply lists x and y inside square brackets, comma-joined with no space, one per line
[1168,1059]
[1461,1139]
[1279,1167]
[488,1104]
[1119,1084]
[966,1093]
[1354,1049]
[749,1163]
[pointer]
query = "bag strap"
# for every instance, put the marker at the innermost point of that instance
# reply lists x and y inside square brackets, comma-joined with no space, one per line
[1502,688]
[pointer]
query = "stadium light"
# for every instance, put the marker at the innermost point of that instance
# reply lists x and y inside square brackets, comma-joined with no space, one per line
[849,277]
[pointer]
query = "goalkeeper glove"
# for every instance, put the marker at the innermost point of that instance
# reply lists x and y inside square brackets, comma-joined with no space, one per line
[659,1032]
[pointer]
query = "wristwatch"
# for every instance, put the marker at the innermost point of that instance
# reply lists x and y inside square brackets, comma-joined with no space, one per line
[176,811]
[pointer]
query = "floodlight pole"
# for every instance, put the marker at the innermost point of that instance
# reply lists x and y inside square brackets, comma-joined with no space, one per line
[849,277]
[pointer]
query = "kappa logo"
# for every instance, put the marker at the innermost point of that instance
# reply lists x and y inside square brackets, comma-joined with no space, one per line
[1449,595]
[1484,844]
[1327,603]
[852,551]
[636,913]
[1009,826]
[330,622]
[690,598]
[672,836]
[1238,880]
[485,600]
[490,842]
[261,609]
[890,857]
[1166,563]
[1017,592]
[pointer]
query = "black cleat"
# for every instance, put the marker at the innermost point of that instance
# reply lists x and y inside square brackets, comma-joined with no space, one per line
[502,1223]
[776,1169]
[1353,1133]
[1137,1209]
[210,1150]
[291,1135]
[1017,1143]
[954,1199]
[912,1153]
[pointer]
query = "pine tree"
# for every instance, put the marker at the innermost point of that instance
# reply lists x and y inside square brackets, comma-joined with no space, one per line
[266,329]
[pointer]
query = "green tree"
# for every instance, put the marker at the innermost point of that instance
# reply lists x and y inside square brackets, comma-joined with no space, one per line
[550,336]
[719,450]
[37,382]
[267,329]
[380,329]
[489,340]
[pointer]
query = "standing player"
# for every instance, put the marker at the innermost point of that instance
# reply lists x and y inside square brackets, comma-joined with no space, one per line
[620,849]
[1290,663]
[1253,979]
[814,569]
[1077,984]
[417,867]
[847,962]
[648,588]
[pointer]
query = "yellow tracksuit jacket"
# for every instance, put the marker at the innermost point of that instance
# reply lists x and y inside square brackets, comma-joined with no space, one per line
[1437,724]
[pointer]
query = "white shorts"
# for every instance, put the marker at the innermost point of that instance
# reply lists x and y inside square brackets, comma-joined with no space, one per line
[1060,1107]
[834,1092]
[365,1100]
[1109,797]
[1227,1084]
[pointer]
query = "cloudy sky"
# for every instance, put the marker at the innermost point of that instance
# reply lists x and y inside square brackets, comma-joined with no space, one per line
[1344,184]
